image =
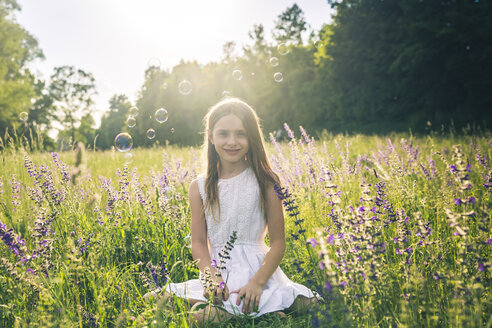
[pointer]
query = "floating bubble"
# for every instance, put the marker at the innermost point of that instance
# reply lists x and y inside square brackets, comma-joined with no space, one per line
[172,130]
[123,142]
[131,122]
[237,75]
[154,63]
[283,49]
[128,158]
[184,87]
[187,241]
[318,43]
[468,47]
[23,116]
[278,77]
[151,134]
[164,86]
[161,115]
[274,61]
[133,112]
[225,94]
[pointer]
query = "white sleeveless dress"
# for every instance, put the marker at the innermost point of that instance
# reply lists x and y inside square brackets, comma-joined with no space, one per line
[240,211]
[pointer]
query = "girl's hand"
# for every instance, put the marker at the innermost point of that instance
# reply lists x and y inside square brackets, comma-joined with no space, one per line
[250,295]
[220,293]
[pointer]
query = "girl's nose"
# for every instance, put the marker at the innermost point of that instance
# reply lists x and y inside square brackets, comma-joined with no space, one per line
[231,140]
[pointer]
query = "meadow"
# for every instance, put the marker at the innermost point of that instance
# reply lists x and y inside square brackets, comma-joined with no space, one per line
[391,231]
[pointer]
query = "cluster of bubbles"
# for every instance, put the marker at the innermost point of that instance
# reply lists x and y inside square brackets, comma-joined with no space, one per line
[124,142]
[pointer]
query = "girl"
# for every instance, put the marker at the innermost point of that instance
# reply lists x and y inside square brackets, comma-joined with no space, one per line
[236,195]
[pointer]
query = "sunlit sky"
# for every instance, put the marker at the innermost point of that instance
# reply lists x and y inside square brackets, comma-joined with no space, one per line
[115,39]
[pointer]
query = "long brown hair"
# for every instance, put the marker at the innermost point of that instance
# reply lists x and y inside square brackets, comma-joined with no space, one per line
[256,155]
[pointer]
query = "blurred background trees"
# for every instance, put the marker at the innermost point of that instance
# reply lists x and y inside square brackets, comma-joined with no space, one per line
[379,66]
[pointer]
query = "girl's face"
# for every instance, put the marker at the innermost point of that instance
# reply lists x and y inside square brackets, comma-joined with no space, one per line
[230,139]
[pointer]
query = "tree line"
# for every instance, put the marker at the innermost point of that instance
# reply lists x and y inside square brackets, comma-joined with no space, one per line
[378,66]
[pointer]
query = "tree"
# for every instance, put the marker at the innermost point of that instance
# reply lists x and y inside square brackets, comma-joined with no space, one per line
[72,91]
[396,64]
[17,49]
[290,25]
[112,121]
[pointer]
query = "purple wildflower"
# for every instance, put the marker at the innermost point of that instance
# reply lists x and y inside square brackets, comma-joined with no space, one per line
[331,239]
[312,242]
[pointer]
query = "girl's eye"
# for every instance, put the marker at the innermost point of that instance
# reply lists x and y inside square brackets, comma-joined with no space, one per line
[241,134]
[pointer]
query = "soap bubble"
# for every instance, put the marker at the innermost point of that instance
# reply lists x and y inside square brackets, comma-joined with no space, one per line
[225,94]
[131,122]
[184,87]
[123,142]
[187,241]
[278,77]
[237,75]
[161,115]
[154,63]
[274,61]
[151,134]
[318,43]
[128,158]
[23,116]
[133,112]
[172,130]
[283,49]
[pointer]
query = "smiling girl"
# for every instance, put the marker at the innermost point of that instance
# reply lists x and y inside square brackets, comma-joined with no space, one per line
[236,194]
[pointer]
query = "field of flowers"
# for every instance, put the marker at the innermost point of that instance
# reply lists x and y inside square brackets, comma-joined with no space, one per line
[391,231]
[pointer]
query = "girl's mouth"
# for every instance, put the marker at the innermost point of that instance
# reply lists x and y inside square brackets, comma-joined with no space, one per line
[232,151]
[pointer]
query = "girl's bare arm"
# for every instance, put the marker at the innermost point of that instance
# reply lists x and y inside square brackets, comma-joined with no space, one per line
[199,240]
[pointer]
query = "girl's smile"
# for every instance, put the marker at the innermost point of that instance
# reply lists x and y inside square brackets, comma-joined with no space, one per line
[230,139]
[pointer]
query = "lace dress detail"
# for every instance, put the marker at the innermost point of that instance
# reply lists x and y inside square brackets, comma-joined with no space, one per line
[240,210]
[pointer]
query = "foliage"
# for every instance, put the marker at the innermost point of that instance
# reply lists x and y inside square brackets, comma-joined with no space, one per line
[389,231]
[17,49]
[399,64]
[72,90]
[378,66]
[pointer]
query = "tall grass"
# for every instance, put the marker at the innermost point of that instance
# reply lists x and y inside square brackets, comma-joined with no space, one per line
[389,231]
